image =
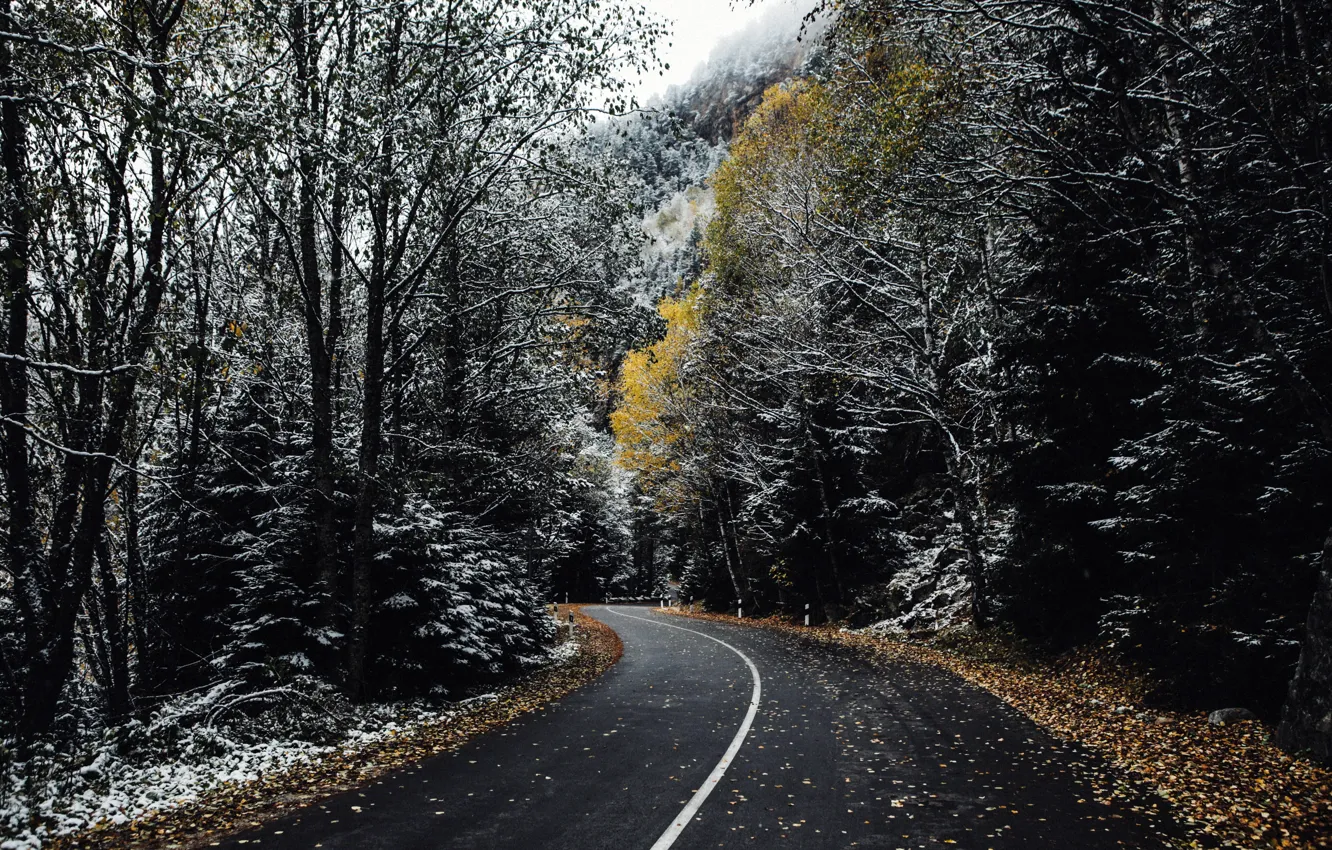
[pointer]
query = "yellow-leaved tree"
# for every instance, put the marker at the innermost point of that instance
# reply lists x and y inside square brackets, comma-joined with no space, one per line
[652,420]
[815,158]
[728,421]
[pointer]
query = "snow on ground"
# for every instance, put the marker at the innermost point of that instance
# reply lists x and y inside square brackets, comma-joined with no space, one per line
[116,791]
[565,652]
[925,599]
[58,793]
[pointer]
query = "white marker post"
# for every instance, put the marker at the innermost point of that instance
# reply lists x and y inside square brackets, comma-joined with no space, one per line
[807,613]
[571,625]
[740,613]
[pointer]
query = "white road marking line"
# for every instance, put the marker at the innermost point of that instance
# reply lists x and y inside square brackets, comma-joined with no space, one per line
[691,808]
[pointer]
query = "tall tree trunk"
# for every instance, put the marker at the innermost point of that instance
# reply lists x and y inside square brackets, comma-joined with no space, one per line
[329,386]
[22,542]
[731,565]
[372,402]
[136,583]
[705,552]
[93,638]
[367,492]
[1306,718]
[113,626]
[318,344]
[728,499]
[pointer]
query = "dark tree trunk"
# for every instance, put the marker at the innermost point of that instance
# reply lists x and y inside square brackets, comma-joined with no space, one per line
[367,493]
[320,332]
[372,407]
[136,583]
[93,639]
[22,547]
[1306,719]
[113,626]
[732,565]
[705,551]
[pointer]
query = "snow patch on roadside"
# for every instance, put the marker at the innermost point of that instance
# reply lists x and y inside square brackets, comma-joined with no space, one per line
[565,652]
[59,793]
[925,599]
[111,789]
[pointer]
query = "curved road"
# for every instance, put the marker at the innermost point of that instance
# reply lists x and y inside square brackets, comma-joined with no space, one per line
[836,752]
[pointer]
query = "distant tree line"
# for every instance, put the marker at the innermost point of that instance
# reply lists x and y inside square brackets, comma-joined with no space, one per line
[1023,308]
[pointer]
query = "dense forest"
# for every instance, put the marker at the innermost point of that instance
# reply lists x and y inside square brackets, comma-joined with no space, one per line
[1016,315]
[308,309]
[341,337]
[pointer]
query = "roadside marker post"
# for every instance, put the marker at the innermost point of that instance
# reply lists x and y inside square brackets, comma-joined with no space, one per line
[807,613]
[571,625]
[740,613]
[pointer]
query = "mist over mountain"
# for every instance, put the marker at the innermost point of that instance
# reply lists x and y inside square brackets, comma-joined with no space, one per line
[671,148]
[723,91]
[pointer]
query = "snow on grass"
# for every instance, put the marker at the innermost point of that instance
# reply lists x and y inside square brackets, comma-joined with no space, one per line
[113,790]
[189,748]
[565,652]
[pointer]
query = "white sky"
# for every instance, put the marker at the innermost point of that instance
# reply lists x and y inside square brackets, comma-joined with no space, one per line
[697,26]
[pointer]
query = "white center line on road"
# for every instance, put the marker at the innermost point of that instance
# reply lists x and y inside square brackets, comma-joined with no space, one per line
[691,808]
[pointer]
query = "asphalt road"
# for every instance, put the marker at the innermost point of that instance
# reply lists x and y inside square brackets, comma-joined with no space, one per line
[841,752]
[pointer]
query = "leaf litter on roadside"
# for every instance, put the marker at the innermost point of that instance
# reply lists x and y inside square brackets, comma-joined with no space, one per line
[1231,785]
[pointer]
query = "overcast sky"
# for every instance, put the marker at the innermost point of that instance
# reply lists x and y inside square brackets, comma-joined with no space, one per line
[697,26]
